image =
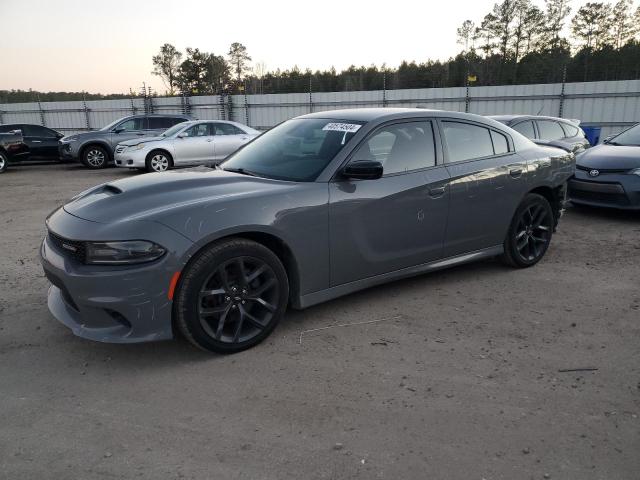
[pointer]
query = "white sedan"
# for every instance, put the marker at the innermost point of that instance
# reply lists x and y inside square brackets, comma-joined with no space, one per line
[188,143]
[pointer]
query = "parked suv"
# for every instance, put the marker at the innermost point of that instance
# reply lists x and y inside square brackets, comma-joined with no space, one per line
[551,131]
[95,149]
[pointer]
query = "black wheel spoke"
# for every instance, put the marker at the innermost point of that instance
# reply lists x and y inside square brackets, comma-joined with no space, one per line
[238,300]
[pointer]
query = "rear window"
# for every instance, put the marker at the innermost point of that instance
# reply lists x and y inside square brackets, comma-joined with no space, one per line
[525,128]
[466,141]
[500,144]
[550,130]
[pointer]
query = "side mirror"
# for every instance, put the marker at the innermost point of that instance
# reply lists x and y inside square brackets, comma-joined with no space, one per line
[363,170]
[181,135]
[118,130]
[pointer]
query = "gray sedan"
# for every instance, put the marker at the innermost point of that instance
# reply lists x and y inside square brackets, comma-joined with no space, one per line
[318,207]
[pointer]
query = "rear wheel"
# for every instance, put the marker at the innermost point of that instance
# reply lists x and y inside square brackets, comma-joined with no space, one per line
[4,162]
[530,232]
[158,161]
[231,296]
[95,157]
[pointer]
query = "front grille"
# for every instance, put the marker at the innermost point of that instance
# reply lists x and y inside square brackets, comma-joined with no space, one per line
[599,197]
[72,248]
[603,170]
[120,148]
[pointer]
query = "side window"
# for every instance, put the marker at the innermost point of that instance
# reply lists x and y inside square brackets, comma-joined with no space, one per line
[9,128]
[33,131]
[226,129]
[500,143]
[550,130]
[199,130]
[159,123]
[569,130]
[525,128]
[466,141]
[402,147]
[133,124]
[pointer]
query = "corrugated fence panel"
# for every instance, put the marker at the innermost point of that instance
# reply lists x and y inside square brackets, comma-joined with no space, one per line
[610,105]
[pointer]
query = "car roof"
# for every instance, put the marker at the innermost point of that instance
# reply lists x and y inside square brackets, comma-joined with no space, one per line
[381,114]
[511,118]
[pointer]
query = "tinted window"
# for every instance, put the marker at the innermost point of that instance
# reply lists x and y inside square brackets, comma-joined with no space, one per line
[36,131]
[297,149]
[226,129]
[569,130]
[402,147]
[500,144]
[162,123]
[466,141]
[550,130]
[133,124]
[525,128]
[199,130]
[9,128]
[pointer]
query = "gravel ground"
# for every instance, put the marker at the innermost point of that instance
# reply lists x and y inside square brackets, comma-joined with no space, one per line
[457,378]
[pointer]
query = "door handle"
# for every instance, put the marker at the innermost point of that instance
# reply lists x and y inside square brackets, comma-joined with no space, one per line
[140,134]
[436,192]
[36,141]
[515,172]
[209,139]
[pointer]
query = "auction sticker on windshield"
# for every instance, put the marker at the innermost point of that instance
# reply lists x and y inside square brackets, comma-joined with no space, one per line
[342,127]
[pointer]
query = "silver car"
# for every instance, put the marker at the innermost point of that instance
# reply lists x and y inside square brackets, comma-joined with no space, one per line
[188,143]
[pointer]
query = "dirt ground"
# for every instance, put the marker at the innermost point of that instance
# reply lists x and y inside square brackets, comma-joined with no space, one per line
[457,378]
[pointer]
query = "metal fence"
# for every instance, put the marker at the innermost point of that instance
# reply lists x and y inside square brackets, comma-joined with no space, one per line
[612,105]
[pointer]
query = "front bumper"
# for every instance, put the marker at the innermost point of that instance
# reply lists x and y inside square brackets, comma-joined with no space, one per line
[68,151]
[130,158]
[116,304]
[612,190]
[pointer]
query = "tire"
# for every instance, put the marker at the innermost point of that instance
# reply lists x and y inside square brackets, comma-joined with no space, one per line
[530,232]
[230,315]
[4,162]
[95,157]
[158,161]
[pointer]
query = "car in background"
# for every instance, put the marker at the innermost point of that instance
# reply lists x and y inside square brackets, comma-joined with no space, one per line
[551,131]
[318,207]
[39,143]
[11,144]
[95,149]
[608,175]
[188,143]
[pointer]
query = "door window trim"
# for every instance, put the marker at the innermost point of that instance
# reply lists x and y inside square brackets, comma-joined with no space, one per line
[437,149]
[445,148]
[533,123]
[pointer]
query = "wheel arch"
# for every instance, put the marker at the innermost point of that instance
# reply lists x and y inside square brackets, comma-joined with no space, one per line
[555,197]
[159,149]
[269,240]
[97,143]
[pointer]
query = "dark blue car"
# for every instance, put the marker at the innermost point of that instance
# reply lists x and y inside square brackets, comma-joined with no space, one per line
[608,175]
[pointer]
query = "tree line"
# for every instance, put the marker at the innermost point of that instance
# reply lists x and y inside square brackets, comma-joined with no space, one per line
[516,42]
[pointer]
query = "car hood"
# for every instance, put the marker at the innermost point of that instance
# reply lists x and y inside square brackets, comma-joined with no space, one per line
[155,195]
[136,141]
[602,157]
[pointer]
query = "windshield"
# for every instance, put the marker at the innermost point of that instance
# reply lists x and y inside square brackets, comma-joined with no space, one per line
[175,129]
[112,124]
[629,137]
[296,150]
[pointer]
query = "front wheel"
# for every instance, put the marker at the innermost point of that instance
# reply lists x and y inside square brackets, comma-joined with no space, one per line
[530,232]
[231,296]
[4,162]
[95,157]
[158,161]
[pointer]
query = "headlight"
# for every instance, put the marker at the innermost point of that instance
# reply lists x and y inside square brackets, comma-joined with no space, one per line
[635,172]
[139,146]
[69,139]
[121,253]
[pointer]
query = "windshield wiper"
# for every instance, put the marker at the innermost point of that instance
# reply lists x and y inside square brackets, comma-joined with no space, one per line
[242,171]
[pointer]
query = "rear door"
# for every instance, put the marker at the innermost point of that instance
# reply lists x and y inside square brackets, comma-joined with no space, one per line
[228,138]
[194,145]
[394,222]
[487,183]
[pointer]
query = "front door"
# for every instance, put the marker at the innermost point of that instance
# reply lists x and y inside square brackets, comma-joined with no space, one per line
[394,222]
[194,145]
[41,141]
[133,128]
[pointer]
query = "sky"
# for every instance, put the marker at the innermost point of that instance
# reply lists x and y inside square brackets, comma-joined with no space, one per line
[106,46]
